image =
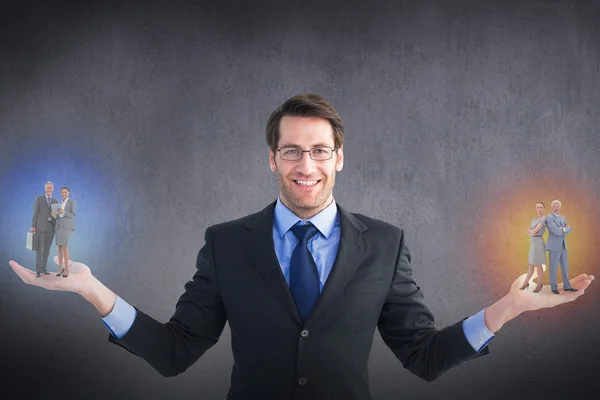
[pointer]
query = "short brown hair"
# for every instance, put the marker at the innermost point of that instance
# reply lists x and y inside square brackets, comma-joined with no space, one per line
[305,105]
[543,205]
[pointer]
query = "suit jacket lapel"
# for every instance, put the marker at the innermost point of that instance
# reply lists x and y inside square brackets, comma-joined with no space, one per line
[260,248]
[353,247]
[558,220]
[258,245]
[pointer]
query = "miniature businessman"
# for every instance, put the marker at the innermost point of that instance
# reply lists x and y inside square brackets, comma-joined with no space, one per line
[43,224]
[558,229]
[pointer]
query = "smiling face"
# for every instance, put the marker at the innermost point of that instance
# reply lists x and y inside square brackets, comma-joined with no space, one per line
[64,193]
[49,188]
[306,185]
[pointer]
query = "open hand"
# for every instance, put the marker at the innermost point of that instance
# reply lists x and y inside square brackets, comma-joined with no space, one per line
[526,300]
[78,279]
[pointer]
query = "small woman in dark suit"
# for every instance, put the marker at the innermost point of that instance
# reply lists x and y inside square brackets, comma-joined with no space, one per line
[65,225]
[537,248]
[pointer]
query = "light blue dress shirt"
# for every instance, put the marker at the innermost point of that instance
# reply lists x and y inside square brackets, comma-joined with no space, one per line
[323,246]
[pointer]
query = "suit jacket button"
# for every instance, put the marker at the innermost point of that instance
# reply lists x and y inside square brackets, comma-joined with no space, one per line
[304,333]
[302,381]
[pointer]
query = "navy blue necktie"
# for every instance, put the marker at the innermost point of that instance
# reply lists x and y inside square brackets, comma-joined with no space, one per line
[48,198]
[304,278]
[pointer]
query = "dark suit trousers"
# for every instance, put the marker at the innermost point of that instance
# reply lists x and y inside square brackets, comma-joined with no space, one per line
[42,251]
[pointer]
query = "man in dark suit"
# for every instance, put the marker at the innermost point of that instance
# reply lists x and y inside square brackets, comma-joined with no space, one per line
[43,224]
[303,284]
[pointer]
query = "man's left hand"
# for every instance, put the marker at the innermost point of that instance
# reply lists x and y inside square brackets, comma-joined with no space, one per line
[526,300]
[518,301]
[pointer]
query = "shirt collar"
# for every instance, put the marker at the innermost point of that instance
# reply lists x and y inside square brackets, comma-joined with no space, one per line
[65,200]
[555,214]
[324,221]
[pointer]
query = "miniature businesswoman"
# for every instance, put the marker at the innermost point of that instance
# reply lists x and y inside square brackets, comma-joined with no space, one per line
[537,248]
[64,227]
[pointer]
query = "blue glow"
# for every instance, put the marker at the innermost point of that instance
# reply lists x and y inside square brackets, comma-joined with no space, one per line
[89,182]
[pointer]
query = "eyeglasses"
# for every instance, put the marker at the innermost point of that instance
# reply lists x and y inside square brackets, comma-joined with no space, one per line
[316,153]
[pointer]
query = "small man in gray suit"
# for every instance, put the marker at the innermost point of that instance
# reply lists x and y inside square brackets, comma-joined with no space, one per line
[558,229]
[43,224]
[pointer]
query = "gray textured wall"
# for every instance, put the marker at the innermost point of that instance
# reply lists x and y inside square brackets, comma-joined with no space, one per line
[459,117]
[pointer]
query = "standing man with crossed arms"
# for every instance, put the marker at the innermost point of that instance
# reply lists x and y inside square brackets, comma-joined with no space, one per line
[558,229]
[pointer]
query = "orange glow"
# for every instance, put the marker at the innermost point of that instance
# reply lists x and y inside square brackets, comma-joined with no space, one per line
[505,243]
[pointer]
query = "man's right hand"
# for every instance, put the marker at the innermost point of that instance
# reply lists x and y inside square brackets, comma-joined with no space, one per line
[32,229]
[80,281]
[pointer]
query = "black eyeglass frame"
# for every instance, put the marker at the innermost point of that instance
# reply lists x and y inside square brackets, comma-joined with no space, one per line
[309,151]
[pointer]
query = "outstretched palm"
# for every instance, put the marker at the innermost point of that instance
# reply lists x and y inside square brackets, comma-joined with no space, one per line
[529,301]
[79,276]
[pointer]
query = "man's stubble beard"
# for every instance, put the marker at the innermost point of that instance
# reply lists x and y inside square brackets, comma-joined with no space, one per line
[297,204]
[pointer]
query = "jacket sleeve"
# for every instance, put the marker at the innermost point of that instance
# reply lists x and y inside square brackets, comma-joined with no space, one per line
[195,326]
[554,228]
[569,229]
[71,207]
[35,213]
[407,327]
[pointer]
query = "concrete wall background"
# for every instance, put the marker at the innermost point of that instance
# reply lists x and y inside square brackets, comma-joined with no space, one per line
[459,117]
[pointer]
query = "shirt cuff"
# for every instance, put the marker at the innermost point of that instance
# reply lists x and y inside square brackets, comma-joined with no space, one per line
[120,319]
[476,332]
